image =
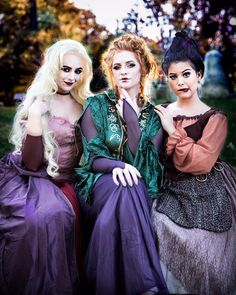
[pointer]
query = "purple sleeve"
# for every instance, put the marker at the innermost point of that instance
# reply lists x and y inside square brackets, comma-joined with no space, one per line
[89,131]
[87,126]
[134,132]
[32,152]
[158,139]
[105,165]
[133,129]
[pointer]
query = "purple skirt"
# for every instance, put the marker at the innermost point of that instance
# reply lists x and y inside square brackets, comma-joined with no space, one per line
[37,254]
[121,256]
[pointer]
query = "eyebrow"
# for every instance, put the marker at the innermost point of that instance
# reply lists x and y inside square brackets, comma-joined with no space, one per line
[186,70]
[181,72]
[80,68]
[118,63]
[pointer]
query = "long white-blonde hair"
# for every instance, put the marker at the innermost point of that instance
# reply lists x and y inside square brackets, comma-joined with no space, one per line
[44,86]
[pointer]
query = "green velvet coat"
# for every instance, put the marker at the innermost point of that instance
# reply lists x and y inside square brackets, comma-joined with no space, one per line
[111,142]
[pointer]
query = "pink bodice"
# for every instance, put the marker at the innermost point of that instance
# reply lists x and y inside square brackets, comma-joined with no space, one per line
[67,153]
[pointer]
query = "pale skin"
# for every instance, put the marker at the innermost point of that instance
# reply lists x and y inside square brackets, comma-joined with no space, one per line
[126,74]
[183,80]
[59,105]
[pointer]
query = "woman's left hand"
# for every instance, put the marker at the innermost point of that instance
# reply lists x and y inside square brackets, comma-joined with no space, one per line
[119,107]
[124,95]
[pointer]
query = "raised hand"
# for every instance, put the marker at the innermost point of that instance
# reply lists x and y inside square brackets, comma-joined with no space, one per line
[129,175]
[39,107]
[119,107]
[133,103]
[166,119]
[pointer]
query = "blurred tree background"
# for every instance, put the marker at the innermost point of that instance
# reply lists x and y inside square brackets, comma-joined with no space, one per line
[27,27]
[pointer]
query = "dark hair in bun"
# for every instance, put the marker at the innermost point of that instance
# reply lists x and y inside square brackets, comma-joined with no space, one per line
[183,48]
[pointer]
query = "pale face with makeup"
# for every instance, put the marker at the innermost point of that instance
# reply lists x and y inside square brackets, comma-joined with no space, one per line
[70,72]
[126,70]
[183,80]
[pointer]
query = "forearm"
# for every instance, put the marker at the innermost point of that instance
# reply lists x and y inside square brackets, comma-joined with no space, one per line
[104,165]
[32,152]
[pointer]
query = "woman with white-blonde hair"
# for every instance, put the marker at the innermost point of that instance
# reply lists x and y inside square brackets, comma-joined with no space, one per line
[39,225]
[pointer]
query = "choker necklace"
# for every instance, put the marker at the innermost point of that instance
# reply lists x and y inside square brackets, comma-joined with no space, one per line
[63,93]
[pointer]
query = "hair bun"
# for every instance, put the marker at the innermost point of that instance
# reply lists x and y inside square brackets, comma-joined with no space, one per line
[181,34]
[183,48]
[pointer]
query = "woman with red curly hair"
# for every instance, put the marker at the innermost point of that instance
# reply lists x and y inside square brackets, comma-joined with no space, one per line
[122,136]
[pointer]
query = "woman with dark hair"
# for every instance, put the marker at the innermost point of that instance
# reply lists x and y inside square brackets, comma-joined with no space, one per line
[194,215]
[122,173]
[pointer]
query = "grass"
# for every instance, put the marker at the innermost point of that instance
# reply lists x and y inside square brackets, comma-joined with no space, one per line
[6,119]
[227,105]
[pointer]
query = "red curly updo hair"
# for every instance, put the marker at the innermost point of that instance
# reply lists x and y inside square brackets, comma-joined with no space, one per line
[137,45]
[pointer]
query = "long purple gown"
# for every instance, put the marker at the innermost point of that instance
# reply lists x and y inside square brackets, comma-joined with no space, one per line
[37,223]
[121,256]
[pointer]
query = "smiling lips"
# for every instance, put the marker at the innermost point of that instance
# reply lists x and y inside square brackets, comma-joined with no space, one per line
[69,83]
[183,90]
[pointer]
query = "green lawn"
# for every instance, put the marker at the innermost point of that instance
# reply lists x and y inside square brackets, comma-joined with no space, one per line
[227,105]
[6,119]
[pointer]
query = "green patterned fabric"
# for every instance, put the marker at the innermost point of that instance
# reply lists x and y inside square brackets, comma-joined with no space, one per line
[111,142]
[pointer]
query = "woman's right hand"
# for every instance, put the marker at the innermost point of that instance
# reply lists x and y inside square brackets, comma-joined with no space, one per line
[35,112]
[39,107]
[129,175]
